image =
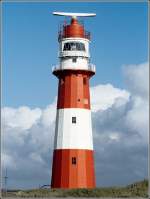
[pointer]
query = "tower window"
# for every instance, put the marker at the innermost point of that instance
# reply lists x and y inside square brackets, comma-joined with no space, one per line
[73,119]
[74,59]
[74,160]
[74,46]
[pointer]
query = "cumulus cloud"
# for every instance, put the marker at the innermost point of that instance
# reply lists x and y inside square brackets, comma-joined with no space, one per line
[19,118]
[137,78]
[104,96]
[120,131]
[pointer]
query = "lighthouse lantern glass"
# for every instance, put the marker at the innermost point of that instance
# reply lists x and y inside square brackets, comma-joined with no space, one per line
[74,46]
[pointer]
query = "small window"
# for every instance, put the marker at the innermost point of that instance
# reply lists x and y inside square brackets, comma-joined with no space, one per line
[84,80]
[82,47]
[67,46]
[73,119]
[74,60]
[74,160]
[73,46]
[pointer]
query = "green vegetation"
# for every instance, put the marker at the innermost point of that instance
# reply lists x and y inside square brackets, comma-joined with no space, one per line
[139,189]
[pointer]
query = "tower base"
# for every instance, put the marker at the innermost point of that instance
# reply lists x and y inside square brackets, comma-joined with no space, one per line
[73,168]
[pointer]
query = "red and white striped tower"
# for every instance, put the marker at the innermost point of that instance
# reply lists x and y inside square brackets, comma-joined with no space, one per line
[73,156]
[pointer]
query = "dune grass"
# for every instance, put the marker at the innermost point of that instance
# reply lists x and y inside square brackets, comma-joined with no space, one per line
[139,189]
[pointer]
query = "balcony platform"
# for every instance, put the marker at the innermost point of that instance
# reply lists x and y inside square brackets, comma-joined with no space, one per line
[57,70]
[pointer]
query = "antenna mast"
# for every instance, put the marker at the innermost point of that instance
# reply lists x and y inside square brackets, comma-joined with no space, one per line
[5,179]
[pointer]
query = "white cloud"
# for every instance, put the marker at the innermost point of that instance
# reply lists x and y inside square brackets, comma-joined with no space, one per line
[22,118]
[48,116]
[137,79]
[103,96]
[120,127]
[137,118]
[126,156]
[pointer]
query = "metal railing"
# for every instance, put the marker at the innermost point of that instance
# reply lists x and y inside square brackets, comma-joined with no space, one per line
[65,23]
[62,35]
[73,53]
[91,67]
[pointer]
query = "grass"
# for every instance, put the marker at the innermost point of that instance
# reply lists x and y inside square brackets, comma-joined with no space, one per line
[139,189]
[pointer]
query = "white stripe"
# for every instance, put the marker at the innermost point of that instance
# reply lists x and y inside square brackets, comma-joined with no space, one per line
[70,135]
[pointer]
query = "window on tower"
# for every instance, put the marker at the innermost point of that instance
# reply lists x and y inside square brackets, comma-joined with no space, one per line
[72,46]
[73,119]
[74,59]
[74,160]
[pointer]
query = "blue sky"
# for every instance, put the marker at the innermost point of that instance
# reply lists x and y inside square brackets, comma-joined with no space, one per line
[119,36]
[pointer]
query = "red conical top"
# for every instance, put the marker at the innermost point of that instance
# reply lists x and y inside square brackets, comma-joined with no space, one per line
[74,29]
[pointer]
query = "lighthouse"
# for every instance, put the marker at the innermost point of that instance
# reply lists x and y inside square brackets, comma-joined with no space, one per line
[73,155]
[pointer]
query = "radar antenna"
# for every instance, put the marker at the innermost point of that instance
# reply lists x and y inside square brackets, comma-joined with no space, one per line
[74,15]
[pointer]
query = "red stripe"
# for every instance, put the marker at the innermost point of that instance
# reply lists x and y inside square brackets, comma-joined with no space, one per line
[73,90]
[68,175]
